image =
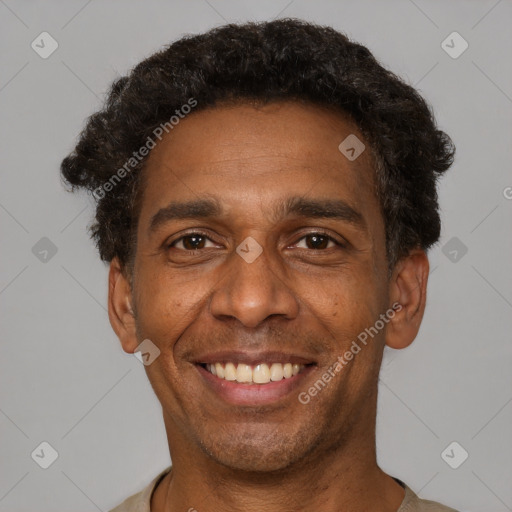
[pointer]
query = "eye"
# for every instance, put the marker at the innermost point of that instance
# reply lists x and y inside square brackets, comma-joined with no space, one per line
[191,242]
[197,240]
[319,241]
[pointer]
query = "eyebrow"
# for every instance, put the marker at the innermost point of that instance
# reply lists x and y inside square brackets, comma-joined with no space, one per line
[337,209]
[196,209]
[299,206]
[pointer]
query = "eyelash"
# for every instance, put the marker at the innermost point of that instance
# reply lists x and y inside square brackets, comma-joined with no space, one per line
[205,235]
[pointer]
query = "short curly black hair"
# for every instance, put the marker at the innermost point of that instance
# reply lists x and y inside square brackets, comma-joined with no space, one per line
[286,59]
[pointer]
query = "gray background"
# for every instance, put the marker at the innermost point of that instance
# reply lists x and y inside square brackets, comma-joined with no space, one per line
[64,378]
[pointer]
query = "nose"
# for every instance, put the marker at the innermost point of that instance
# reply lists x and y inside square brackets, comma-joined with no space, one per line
[252,292]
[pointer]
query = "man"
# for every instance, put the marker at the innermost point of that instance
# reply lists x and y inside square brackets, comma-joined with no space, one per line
[266,194]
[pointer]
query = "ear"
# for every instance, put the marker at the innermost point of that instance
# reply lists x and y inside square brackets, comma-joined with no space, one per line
[120,310]
[408,288]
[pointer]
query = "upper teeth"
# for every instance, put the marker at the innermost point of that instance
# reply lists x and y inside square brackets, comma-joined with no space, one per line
[258,374]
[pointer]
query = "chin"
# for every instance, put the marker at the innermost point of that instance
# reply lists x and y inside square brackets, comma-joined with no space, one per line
[261,453]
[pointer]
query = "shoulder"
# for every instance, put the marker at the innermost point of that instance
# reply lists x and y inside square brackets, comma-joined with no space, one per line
[141,501]
[412,503]
[132,504]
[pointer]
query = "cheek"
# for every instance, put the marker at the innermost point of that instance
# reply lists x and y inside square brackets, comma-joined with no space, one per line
[166,305]
[348,301]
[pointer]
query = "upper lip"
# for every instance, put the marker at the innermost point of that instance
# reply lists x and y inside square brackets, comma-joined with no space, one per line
[252,358]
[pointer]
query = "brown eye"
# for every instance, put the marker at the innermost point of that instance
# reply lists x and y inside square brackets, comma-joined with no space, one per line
[191,242]
[318,241]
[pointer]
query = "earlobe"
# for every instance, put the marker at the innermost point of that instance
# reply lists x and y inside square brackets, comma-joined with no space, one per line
[408,287]
[120,309]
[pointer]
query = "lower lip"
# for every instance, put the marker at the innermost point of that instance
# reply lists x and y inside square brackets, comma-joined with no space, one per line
[253,394]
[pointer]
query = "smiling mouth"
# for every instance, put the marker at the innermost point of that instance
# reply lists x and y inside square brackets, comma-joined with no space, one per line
[262,373]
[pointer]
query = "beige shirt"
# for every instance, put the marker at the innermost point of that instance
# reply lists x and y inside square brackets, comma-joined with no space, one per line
[140,502]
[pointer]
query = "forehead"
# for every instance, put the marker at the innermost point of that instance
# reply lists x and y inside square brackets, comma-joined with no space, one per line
[247,157]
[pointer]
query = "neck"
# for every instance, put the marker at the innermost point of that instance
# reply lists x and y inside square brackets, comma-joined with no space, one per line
[344,473]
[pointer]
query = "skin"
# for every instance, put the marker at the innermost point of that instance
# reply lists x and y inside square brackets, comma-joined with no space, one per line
[299,297]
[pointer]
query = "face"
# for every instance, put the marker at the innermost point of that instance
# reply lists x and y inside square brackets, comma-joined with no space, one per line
[259,243]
